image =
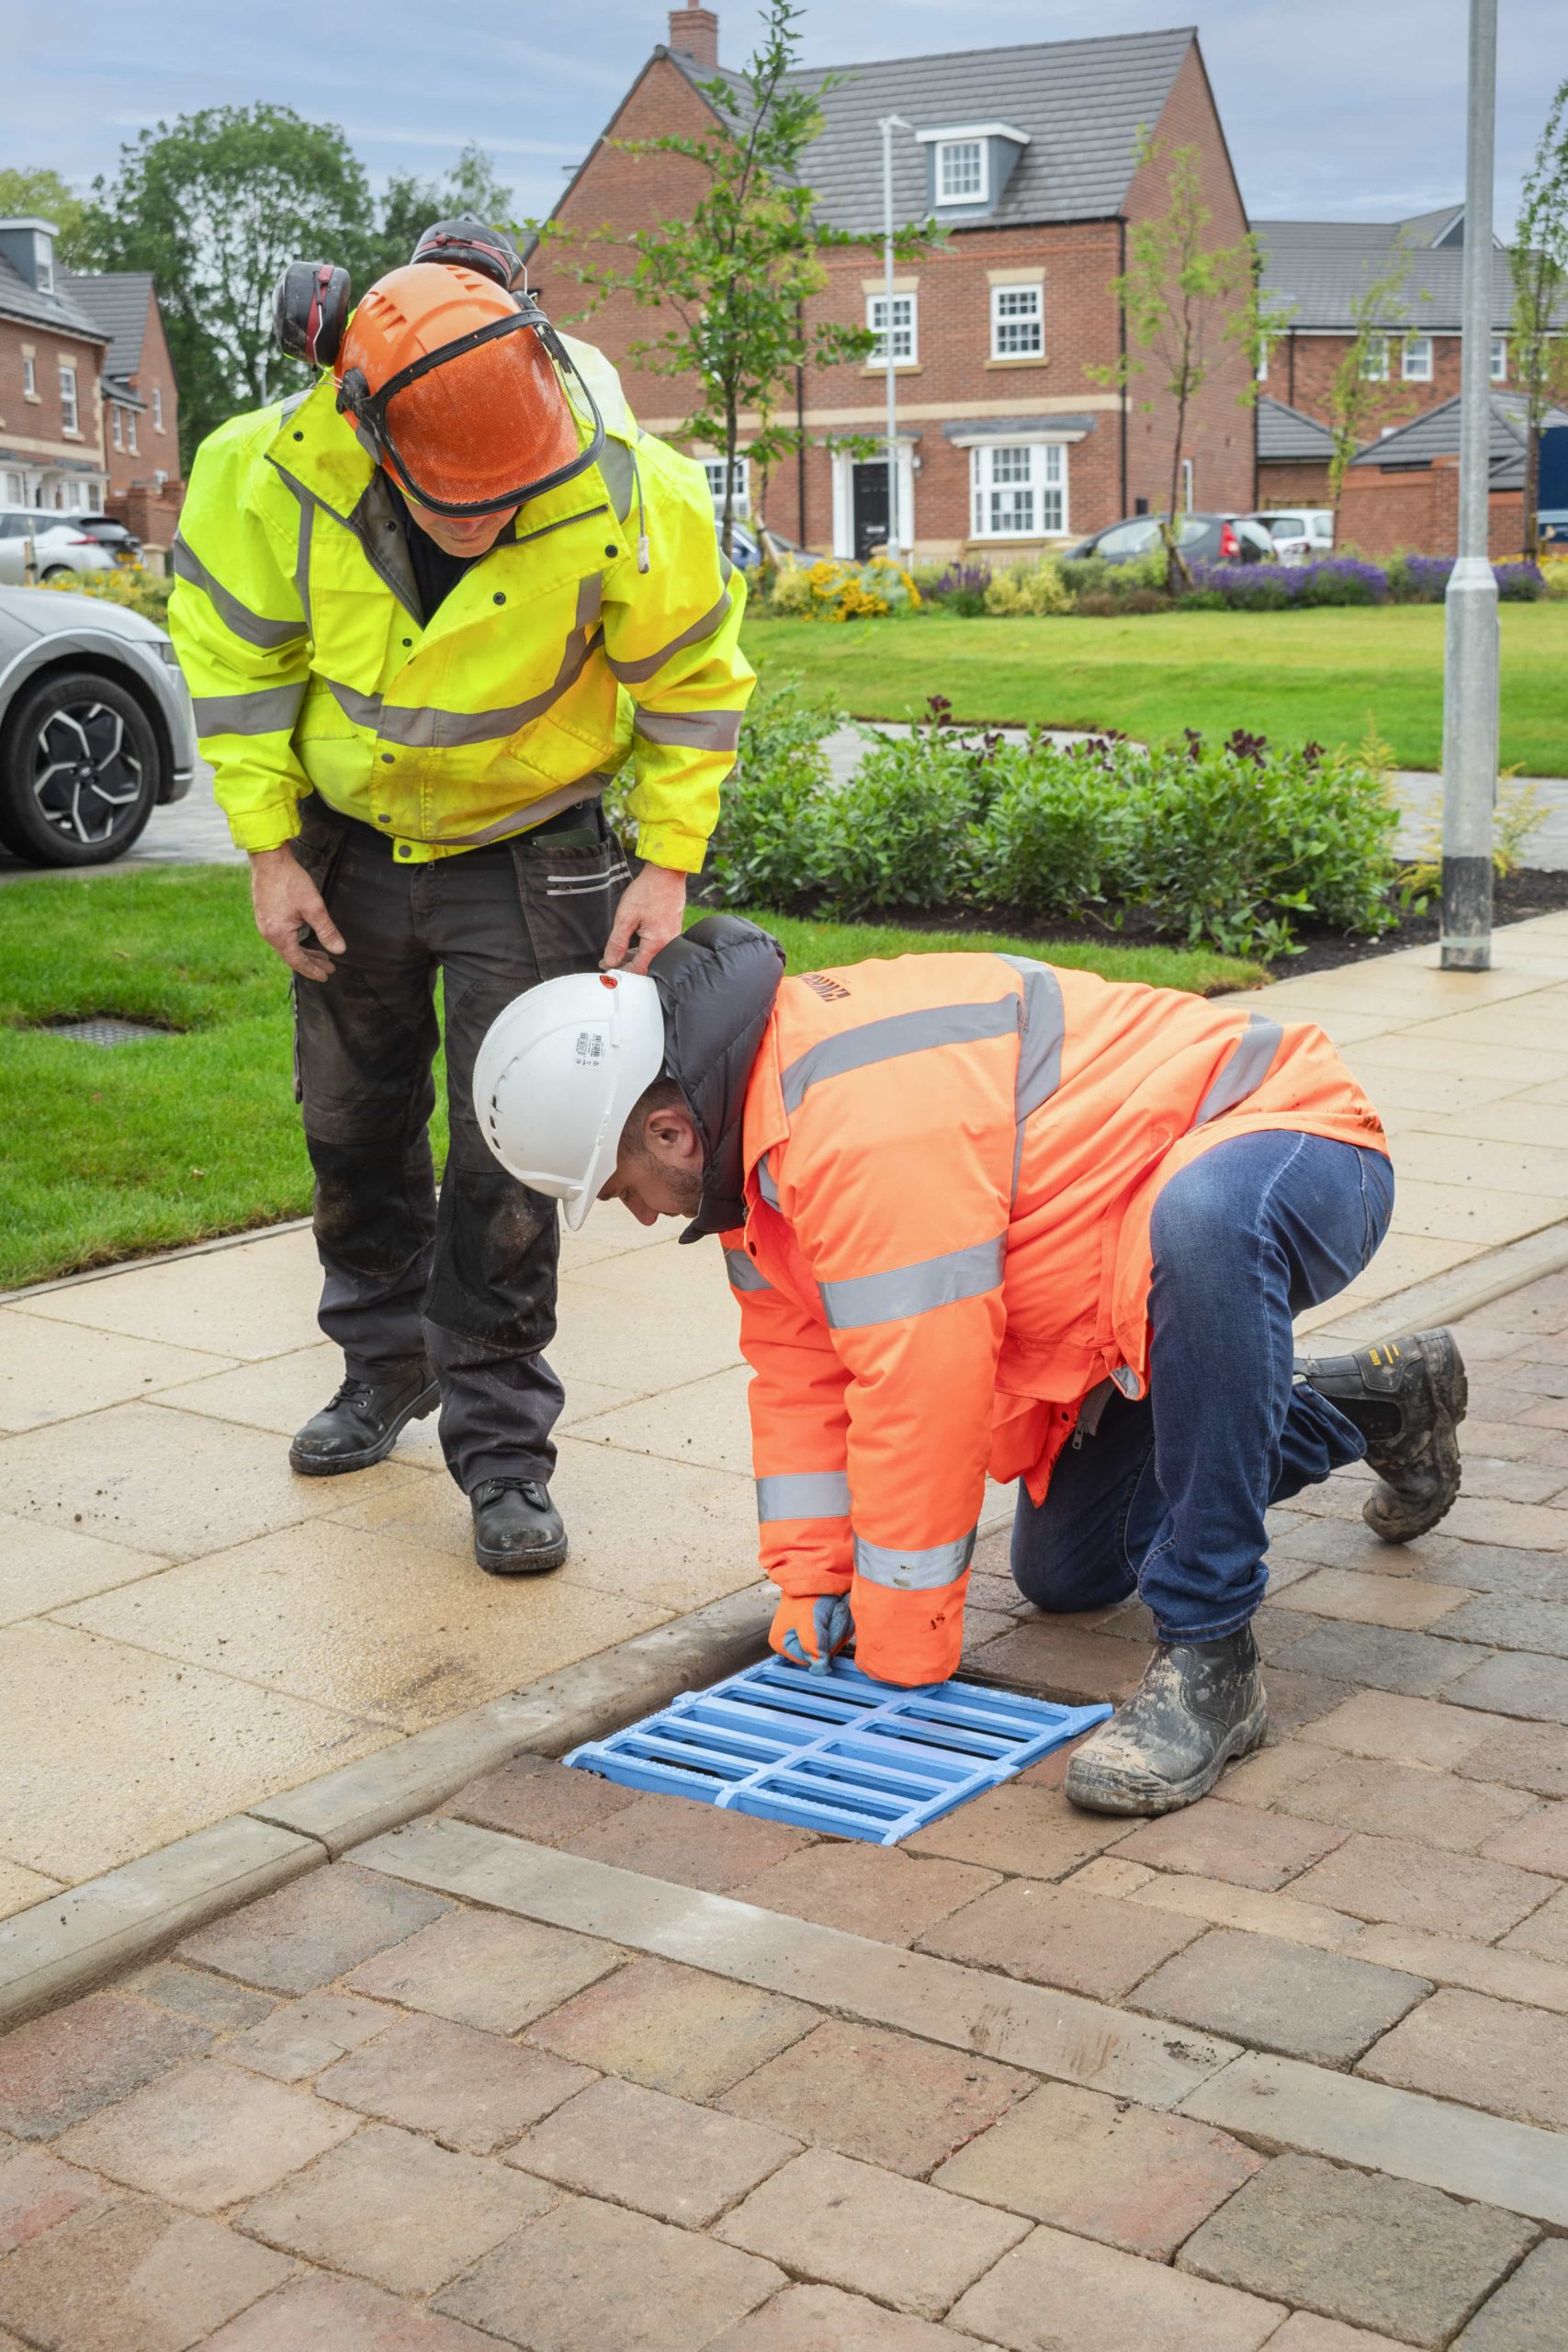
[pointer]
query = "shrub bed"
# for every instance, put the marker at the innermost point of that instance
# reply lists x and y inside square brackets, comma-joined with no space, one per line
[1227,843]
[1048,585]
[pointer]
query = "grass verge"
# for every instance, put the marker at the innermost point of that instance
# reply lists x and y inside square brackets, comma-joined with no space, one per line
[1295,677]
[194,1134]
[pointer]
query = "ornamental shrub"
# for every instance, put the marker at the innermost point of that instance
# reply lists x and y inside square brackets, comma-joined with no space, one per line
[1424,580]
[832,590]
[1518,584]
[1029,590]
[143,592]
[1054,837]
[960,588]
[1553,569]
[898,833]
[763,852]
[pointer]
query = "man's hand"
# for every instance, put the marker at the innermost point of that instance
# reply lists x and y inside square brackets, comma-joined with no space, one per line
[651,911]
[286,900]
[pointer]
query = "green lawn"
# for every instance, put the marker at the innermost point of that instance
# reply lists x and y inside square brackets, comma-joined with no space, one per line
[1296,675]
[108,1154]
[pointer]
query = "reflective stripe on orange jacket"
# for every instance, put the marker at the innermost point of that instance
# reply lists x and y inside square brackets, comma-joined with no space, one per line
[951,1166]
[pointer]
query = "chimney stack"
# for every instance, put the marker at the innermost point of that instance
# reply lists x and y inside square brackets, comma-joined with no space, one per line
[694,33]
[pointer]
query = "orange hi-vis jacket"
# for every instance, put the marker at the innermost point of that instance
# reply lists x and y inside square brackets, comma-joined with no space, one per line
[951,1163]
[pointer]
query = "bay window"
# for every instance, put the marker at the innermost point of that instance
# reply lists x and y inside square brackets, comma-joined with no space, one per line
[1019,490]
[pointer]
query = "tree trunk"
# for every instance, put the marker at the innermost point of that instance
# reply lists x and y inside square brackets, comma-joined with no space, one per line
[731,435]
[1532,489]
[1175,561]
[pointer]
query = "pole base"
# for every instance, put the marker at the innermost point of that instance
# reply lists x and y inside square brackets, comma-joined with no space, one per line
[1467,914]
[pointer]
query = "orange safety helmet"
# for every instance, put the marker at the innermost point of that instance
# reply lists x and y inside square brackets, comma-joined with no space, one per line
[449,370]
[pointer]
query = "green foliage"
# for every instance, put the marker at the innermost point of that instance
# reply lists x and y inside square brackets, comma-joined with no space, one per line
[1033,590]
[1538,263]
[140,590]
[410,204]
[772,794]
[1520,813]
[834,591]
[1224,843]
[44,193]
[1183,300]
[1362,402]
[733,278]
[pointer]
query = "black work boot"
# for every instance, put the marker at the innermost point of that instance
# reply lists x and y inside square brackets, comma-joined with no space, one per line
[517,1530]
[363,1423]
[1199,1704]
[1407,1397]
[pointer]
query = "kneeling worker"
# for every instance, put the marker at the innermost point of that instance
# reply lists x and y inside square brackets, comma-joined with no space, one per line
[983,1213]
[426,609]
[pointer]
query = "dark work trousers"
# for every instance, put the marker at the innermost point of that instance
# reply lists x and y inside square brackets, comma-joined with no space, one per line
[469,1285]
[1168,1495]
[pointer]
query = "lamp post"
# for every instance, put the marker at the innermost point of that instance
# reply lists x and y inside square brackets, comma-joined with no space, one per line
[1469,617]
[887,125]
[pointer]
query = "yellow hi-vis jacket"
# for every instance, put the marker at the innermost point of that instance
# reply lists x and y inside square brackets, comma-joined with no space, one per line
[312,667]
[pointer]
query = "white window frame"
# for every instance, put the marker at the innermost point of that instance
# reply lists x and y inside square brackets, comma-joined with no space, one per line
[1375,360]
[905,329]
[157,408]
[1497,364]
[130,432]
[1264,346]
[1416,359]
[946,148]
[117,428]
[714,468]
[43,262]
[1002,322]
[70,405]
[29,376]
[1041,479]
[1186,477]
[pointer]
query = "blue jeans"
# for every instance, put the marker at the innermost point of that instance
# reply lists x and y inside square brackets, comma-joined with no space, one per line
[1168,1497]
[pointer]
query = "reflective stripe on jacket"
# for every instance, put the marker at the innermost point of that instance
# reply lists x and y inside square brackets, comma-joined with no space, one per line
[553,659]
[951,1162]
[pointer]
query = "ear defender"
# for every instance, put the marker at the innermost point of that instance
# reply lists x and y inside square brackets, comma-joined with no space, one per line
[309,311]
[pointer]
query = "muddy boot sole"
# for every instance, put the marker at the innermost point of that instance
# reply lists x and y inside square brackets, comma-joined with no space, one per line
[321,1466]
[1392,1516]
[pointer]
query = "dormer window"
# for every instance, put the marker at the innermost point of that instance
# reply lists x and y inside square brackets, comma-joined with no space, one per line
[43,261]
[970,164]
[961,170]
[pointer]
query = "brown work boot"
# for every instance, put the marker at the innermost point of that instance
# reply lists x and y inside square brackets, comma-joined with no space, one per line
[1407,1397]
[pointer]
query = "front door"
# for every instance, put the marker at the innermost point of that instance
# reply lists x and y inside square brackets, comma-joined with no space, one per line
[870,507]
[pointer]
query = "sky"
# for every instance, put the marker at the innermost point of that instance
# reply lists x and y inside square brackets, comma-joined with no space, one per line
[1335,109]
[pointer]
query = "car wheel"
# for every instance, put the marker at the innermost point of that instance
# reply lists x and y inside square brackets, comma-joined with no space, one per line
[79,771]
[58,571]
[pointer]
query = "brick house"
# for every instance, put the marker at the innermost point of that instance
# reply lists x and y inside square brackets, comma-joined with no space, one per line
[1314,270]
[142,423]
[52,354]
[1402,491]
[1293,454]
[1026,157]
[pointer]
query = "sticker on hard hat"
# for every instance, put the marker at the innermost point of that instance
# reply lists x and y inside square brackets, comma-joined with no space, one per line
[589,1048]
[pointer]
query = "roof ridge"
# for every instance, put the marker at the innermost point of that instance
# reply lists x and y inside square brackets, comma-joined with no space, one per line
[1002,48]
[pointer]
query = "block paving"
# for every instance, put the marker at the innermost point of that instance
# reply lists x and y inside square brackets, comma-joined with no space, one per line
[1306,2085]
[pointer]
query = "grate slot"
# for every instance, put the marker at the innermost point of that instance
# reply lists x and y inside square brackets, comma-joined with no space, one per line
[850,1757]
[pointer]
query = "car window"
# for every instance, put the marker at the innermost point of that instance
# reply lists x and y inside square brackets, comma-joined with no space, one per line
[1287,526]
[1127,538]
[1191,528]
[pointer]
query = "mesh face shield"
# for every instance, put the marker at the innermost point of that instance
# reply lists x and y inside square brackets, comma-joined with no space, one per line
[481,423]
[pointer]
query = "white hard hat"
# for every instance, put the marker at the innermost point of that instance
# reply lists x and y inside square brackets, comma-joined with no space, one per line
[557,1075]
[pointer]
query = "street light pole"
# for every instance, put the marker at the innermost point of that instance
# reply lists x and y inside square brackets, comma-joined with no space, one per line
[1470,620]
[887,125]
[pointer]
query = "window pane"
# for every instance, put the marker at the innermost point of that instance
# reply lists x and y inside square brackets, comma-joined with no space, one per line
[1017,321]
[960,169]
[1418,358]
[1499,358]
[903,327]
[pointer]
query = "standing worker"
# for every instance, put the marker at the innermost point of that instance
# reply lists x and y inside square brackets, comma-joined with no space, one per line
[984,1214]
[426,610]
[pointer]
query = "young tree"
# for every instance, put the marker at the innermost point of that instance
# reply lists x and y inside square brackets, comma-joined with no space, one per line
[45,194]
[1184,299]
[1539,265]
[214,205]
[736,275]
[1361,400]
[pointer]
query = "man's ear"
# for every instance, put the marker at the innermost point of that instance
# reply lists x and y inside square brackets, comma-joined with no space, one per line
[669,1133]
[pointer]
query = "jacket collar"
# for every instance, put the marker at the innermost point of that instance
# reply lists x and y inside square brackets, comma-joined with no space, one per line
[716,985]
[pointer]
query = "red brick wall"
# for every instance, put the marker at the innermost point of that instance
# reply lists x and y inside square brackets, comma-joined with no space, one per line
[1220,433]
[151,514]
[34,430]
[156,451]
[1301,368]
[1302,482]
[1417,513]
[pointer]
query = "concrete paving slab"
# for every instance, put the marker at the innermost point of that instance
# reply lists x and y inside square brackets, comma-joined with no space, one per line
[208,2135]
[47,1568]
[664,2156]
[256,1299]
[52,1371]
[132,2277]
[1056,2294]
[463,2088]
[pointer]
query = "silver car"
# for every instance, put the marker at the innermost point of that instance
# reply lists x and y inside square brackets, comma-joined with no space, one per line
[96,727]
[60,547]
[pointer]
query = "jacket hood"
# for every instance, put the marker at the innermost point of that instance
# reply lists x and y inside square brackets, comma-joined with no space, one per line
[716,985]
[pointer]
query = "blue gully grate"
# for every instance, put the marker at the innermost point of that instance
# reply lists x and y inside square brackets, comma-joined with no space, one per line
[839,1753]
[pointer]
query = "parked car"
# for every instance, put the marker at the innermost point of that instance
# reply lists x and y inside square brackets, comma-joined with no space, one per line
[747,552]
[123,545]
[61,546]
[96,727]
[1202,538]
[1300,534]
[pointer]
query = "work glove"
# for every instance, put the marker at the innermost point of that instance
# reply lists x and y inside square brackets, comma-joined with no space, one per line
[809,1628]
